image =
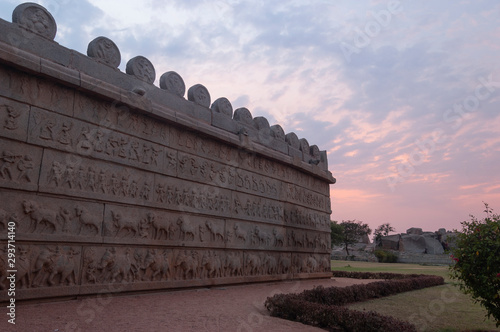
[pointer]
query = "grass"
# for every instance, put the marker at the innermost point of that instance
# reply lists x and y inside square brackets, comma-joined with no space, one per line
[441,308]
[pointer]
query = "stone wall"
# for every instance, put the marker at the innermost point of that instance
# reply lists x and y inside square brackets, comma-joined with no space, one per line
[116,185]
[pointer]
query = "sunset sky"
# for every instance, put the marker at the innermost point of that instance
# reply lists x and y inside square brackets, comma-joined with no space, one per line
[403,95]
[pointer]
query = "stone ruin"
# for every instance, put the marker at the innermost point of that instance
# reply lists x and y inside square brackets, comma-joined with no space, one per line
[414,246]
[417,241]
[116,185]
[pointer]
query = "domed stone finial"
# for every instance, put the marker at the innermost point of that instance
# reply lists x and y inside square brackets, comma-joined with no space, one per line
[293,140]
[173,82]
[104,50]
[304,146]
[278,132]
[223,106]
[243,115]
[141,68]
[36,19]
[199,95]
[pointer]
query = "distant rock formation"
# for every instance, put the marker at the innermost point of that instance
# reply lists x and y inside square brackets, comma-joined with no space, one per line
[419,242]
[413,246]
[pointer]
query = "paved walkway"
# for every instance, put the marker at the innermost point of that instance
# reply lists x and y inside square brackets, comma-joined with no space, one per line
[232,308]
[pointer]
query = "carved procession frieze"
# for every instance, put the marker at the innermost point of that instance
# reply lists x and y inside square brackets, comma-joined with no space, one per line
[182,195]
[115,116]
[70,135]
[146,225]
[82,177]
[41,217]
[42,266]
[310,263]
[257,208]
[306,218]
[36,91]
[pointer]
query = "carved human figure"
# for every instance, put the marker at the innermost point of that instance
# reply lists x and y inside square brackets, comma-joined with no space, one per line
[65,218]
[47,130]
[11,122]
[64,135]
[9,158]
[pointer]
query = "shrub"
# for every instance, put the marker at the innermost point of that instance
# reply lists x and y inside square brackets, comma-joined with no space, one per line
[385,256]
[477,261]
[322,307]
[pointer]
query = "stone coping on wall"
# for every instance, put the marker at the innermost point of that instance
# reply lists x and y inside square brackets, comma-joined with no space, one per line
[97,73]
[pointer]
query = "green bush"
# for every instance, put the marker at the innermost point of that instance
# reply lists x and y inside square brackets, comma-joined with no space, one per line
[385,256]
[324,307]
[477,261]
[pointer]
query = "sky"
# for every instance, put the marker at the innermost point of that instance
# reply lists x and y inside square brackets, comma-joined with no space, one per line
[403,95]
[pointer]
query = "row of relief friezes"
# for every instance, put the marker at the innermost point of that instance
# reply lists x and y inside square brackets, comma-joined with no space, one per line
[85,220]
[124,136]
[37,19]
[56,265]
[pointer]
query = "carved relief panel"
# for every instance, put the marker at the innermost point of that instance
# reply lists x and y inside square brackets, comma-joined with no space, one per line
[64,133]
[306,218]
[46,266]
[48,218]
[197,145]
[255,235]
[76,176]
[257,184]
[204,170]
[13,119]
[310,263]
[118,117]
[182,195]
[35,91]
[142,225]
[19,165]
[257,208]
[303,240]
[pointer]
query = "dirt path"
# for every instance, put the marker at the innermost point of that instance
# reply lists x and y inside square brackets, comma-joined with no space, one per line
[231,308]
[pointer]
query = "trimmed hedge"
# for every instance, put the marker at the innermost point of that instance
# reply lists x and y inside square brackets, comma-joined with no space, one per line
[323,307]
[333,318]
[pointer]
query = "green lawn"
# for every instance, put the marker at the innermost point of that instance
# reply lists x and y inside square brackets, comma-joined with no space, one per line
[441,308]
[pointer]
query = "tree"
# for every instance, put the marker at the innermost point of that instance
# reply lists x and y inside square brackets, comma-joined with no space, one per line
[382,230]
[336,234]
[477,261]
[353,230]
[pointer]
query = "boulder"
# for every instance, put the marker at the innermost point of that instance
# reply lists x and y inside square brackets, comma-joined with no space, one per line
[414,231]
[433,246]
[390,242]
[414,244]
